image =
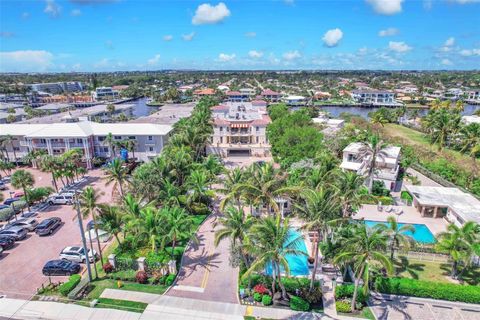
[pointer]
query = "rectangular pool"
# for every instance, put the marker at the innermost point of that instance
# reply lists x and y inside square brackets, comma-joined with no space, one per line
[422,233]
[298,264]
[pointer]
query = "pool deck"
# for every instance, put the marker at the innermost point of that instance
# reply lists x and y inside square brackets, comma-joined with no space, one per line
[409,215]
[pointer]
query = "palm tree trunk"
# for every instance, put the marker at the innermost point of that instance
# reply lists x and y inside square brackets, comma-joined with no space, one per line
[116,237]
[95,227]
[173,246]
[26,197]
[91,247]
[282,287]
[274,277]
[121,188]
[357,283]
[454,269]
[315,263]
[54,182]
[14,154]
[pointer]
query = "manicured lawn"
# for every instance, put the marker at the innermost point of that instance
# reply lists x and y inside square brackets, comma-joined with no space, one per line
[100,285]
[366,313]
[433,271]
[121,305]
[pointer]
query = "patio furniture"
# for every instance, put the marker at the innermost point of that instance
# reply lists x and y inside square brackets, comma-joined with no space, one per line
[388,209]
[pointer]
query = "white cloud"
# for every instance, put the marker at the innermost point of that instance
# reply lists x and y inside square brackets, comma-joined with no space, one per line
[168,37]
[470,52]
[223,57]
[386,7]
[188,37]
[52,9]
[208,14]
[388,32]
[154,61]
[76,12]
[450,42]
[291,55]
[250,34]
[25,15]
[25,61]
[399,46]
[332,37]
[255,54]
[446,62]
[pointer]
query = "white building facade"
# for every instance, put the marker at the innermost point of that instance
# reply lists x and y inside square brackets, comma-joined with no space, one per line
[373,97]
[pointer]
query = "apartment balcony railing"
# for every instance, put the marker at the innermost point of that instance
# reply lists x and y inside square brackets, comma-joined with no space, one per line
[58,144]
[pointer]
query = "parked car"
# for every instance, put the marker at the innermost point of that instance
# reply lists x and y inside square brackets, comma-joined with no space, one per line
[3,186]
[47,226]
[91,225]
[28,223]
[18,233]
[1,251]
[64,198]
[77,254]
[60,268]
[28,214]
[18,194]
[6,242]
[9,201]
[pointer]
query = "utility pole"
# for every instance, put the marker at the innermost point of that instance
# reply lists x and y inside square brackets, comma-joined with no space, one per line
[84,241]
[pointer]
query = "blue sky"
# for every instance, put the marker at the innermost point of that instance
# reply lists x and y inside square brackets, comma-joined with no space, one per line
[108,35]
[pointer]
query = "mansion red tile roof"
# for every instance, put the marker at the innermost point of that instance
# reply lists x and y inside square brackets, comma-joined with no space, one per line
[269,92]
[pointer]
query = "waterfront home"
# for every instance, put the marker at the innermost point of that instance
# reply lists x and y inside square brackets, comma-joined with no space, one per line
[57,138]
[451,204]
[331,126]
[105,94]
[271,95]
[239,129]
[237,96]
[387,163]
[321,95]
[295,101]
[473,95]
[374,97]
[208,92]
[248,91]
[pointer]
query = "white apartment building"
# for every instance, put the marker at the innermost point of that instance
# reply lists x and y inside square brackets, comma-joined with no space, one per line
[57,138]
[239,130]
[57,87]
[374,97]
[387,163]
[105,93]
[474,95]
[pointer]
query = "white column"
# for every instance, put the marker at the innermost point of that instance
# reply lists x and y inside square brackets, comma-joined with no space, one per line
[49,147]
[67,144]
[87,153]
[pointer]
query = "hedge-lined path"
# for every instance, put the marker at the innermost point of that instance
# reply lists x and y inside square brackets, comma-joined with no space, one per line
[392,307]
[206,273]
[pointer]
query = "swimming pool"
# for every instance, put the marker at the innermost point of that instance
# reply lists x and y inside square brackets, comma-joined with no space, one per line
[421,234]
[298,264]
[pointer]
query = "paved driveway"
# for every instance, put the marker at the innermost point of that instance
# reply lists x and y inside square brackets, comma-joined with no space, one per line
[206,273]
[21,266]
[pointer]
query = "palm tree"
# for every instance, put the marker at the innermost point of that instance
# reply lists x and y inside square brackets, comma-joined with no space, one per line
[88,204]
[130,145]
[110,142]
[169,195]
[178,225]
[470,142]
[233,178]
[377,119]
[270,241]
[363,248]
[116,173]
[110,218]
[397,235]
[151,226]
[348,187]
[373,152]
[319,208]
[198,192]
[8,140]
[235,226]
[460,243]
[23,179]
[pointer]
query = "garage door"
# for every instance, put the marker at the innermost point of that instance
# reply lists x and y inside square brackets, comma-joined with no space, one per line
[239,153]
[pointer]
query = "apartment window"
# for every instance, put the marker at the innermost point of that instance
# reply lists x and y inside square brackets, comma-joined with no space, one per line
[57,151]
[79,141]
[43,140]
[118,138]
[101,139]
[258,129]
[256,138]
[221,139]
[16,148]
[221,129]
[132,138]
[150,138]
[150,149]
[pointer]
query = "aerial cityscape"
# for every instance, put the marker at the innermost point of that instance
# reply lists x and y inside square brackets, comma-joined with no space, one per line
[273,159]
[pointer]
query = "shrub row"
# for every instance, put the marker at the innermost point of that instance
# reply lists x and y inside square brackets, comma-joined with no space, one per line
[428,289]
[346,291]
[298,304]
[291,284]
[343,306]
[68,286]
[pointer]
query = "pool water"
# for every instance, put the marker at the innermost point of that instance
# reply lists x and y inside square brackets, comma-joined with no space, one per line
[298,263]
[422,233]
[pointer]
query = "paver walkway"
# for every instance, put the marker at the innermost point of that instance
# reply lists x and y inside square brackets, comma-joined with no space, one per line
[206,273]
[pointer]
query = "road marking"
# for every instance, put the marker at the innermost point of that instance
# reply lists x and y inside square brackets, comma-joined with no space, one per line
[248,311]
[189,288]
[207,270]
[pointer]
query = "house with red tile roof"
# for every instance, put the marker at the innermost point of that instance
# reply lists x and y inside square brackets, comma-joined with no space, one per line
[237,96]
[271,95]
[240,129]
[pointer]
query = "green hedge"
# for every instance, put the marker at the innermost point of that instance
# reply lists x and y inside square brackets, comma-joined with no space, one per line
[68,286]
[428,289]
[266,300]
[291,284]
[343,306]
[298,304]
[346,291]
[124,275]
[170,279]
[6,214]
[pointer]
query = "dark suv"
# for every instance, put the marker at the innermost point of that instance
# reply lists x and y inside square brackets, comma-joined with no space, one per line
[7,242]
[60,268]
[47,226]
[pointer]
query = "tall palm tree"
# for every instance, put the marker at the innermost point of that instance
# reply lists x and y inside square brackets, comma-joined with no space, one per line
[198,192]
[110,217]
[348,186]
[116,173]
[236,227]
[152,226]
[397,235]
[23,179]
[363,248]
[8,140]
[110,142]
[460,243]
[319,208]
[270,241]
[178,225]
[470,142]
[233,178]
[373,152]
[89,204]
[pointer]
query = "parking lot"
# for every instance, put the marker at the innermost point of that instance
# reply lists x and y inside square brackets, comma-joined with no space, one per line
[21,266]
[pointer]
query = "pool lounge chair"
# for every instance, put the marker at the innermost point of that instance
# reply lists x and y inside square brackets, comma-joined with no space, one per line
[388,209]
[398,211]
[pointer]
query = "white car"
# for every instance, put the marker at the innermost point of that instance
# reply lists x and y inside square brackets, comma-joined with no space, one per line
[64,198]
[77,254]
[28,223]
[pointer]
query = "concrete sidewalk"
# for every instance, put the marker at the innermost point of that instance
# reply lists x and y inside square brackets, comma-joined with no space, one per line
[24,309]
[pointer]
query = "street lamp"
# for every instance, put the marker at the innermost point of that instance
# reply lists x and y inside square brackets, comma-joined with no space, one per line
[84,241]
